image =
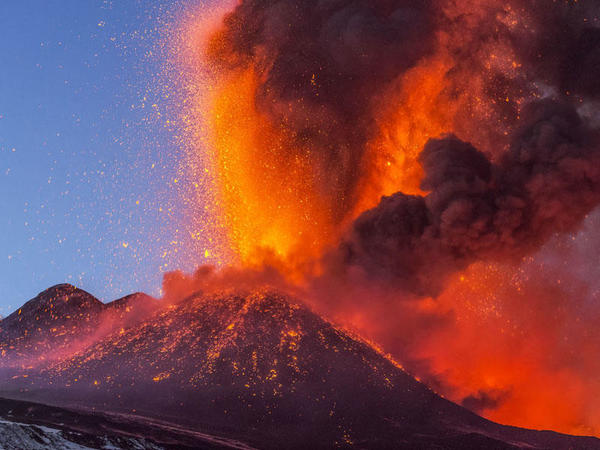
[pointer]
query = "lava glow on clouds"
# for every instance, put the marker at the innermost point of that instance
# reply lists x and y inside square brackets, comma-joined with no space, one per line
[481,278]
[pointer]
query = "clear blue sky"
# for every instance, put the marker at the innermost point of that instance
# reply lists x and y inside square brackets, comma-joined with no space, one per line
[80,199]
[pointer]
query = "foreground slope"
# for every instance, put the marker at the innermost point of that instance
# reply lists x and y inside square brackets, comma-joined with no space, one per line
[30,426]
[259,368]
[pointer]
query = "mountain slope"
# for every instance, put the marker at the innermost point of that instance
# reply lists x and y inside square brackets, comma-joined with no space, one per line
[61,320]
[48,325]
[258,368]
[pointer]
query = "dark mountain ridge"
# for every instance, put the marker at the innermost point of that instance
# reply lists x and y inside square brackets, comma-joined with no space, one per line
[60,320]
[260,368]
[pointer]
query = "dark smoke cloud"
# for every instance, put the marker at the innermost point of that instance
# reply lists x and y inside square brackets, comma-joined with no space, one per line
[324,66]
[547,182]
[319,64]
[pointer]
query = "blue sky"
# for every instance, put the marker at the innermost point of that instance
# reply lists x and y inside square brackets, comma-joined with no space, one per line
[86,163]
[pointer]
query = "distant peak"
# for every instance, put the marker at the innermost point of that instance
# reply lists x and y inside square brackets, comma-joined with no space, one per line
[61,297]
[59,289]
[65,291]
[128,300]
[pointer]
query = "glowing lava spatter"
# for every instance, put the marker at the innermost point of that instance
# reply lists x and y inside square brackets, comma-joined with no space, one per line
[270,203]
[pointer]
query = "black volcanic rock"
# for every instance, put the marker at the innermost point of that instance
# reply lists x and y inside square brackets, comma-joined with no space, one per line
[260,369]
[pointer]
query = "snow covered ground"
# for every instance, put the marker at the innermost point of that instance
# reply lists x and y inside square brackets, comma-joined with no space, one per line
[21,436]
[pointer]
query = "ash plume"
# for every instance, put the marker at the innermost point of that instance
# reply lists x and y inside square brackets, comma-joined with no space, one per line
[547,182]
[314,61]
[562,47]
[328,72]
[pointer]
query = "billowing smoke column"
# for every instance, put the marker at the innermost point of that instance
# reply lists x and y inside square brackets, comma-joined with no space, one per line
[319,65]
[546,182]
[324,106]
[323,67]
[380,148]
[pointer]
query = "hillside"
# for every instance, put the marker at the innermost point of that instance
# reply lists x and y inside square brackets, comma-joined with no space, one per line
[60,321]
[262,369]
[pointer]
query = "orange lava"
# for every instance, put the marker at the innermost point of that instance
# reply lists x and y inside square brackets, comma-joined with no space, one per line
[282,208]
[417,110]
[275,208]
[270,203]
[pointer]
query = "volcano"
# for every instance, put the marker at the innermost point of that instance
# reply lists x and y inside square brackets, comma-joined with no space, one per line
[254,367]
